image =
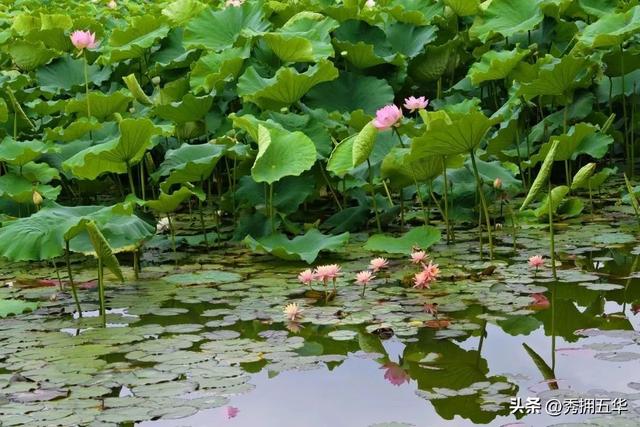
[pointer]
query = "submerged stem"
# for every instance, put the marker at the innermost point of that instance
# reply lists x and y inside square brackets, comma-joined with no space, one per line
[73,285]
[373,198]
[551,236]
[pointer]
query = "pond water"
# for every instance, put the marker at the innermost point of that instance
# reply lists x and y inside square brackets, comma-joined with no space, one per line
[205,343]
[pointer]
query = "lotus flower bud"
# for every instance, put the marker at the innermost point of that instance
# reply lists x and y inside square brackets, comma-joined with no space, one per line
[156,80]
[497,184]
[37,198]
[284,110]
[344,53]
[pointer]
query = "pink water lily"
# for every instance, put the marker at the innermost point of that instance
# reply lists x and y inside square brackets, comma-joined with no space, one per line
[84,39]
[536,261]
[364,277]
[540,302]
[418,257]
[306,277]
[292,312]
[412,103]
[378,264]
[387,117]
[432,271]
[326,272]
[422,280]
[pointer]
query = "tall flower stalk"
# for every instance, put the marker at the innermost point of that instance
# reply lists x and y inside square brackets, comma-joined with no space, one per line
[83,40]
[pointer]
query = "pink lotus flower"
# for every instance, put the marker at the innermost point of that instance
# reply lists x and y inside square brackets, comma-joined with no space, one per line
[378,264]
[412,103]
[432,271]
[292,312]
[232,412]
[536,261]
[422,280]
[387,117]
[540,302]
[84,39]
[306,277]
[395,374]
[418,257]
[364,277]
[234,3]
[326,272]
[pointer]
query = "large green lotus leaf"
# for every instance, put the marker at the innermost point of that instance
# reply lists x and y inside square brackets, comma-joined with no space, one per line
[288,193]
[249,123]
[416,12]
[167,203]
[115,155]
[211,71]
[29,56]
[15,306]
[351,92]
[36,172]
[557,77]
[410,39]
[583,138]
[67,73]
[434,62]
[464,7]
[341,159]
[403,170]
[557,196]
[611,29]
[305,247]
[20,189]
[282,153]
[286,87]
[363,144]
[189,109]
[21,152]
[219,29]
[489,171]
[365,45]
[598,8]
[543,175]
[614,88]
[422,237]
[73,131]
[180,12]
[447,135]
[171,55]
[134,40]
[306,37]
[496,65]
[102,105]
[189,163]
[42,235]
[506,17]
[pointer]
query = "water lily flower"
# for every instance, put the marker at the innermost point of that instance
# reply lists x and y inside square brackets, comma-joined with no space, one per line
[387,117]
[370,3]
[306,277]
[536,261]
[432,270]
[422,280]
[294,327]
[234,3]
[497,184]
[84,39]
[412,103]
[232,412]
[418,257]
[395,374]
[326,272]
[431,309]
[292,312]
[378,264]
[364,277]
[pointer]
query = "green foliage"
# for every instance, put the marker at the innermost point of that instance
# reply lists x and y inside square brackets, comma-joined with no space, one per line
[305,247]
[422,237]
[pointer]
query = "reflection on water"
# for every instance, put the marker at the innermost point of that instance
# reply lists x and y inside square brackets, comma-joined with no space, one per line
[461,359]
